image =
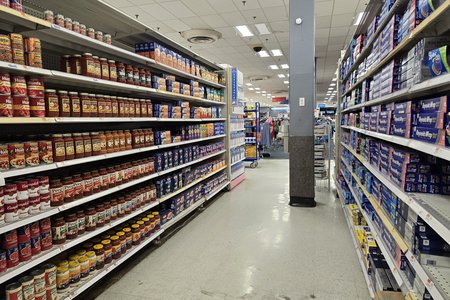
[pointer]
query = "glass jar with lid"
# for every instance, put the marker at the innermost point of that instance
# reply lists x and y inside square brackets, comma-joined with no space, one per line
[94,105]
[87,144]
[114,107]
[85,103]
[104,68]
[87,65]
[100,105]
[64,104]
[108,107]
[98,68]
[51,103]
[112,70]
[75,104]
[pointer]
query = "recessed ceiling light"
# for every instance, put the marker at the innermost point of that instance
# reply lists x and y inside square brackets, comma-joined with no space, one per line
[332,84]
[258,92]
[276,52]
[257,89]
[273,67]
[248,84]
[285,66]
[250,89]
[263,92]
[330,89]
[263,53]
[262,29]
[281,76]
[244,30]
[334,79]
[358,19]
[286,82]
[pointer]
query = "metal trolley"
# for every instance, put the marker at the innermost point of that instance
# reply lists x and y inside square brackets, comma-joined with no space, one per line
[252,134]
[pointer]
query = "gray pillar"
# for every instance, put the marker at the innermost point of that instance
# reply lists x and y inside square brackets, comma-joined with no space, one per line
[301,102]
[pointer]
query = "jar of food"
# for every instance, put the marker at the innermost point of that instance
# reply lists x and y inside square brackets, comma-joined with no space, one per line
[85,105]
[136,233]
[116,248]
[149,108]
[50,274]
[96,181]
[84,267]
[69,146]
[157,220]
[121,207]
[72,226]
[112,70]
[94,105]
[69,189]
[77,186]
[128,140]
[64,104]
[107,39]
[136,75]
[114,210]
[59,231]
[101,105]
[56,192]
[114,107]
[87,65]
[104,179]
[74,272]
[116,139]
[59,20]
[148,226]
[132,107]
[62,278]
[81,222]
[136,140]
[79,145]
[109,142]
[68,23]
[103,142]
[87,184]
[148,78]
[141,228]
[75,64]
[83,29]
[100,255]
[87,144]
[141,77]
[129,74]
[108,108]
[143,108]
[90,32]
[90,218]
[65,63]
[98,68]
[99,36]
[92,260]
[104,68]
[152,223]
[49,16]
[121,106]
[122,141]
[75,104]
[112,177]
[107,246]
[137,108]
[122,239]
[96,143]
[51,103]
[76,26]
[121,72]
[100,208]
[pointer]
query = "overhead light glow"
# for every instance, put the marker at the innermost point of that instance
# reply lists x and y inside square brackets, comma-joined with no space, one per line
[269,94]
[248,84]
[358,19]
[273,67]
[276,52]
[257,89]
[281,76]
[332,84]
[244,30]
[262,29]
[258,92]
[285,66]
[263,53]
[263,92]
[250,89]
[330,89]
[334,79]
[286,82]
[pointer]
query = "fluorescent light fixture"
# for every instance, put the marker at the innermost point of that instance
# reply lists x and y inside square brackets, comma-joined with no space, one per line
[248,84]
[269,94]
[273,67]
[276,52]
[358,19]
[258,92]
[262,29]
[285,66]
[330,89]
[244,30]
[263,92]
[332,84]
[257,89]
[281,76]
[250,89]
[263,53]
[334,79]
[286,82]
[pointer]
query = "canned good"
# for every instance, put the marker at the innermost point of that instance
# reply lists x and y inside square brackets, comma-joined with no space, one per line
[14,291]
[27,283]
[39,280]
[50,274]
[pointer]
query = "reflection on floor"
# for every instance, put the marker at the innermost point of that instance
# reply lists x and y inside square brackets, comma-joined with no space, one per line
[250,244]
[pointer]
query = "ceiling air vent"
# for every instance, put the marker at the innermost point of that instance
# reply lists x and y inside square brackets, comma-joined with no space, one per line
[256,78]
[201,36]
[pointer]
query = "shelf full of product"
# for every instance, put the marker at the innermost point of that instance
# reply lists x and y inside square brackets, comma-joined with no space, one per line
[105,144]
[252,133]
[393,144]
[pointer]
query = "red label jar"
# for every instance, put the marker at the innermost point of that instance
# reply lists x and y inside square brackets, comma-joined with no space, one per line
[87,144]
[51,103]
[69,189]
[69,145]
[77,186]
[59,231]
[87,184]
[112,70]
[72,226]
[94,105]
[79,145]
[75,64]
[56,192]
[121,72]
[75,104]
[64,104]
[85,103]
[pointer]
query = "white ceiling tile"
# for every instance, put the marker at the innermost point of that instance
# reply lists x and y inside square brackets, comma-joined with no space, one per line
[277,13]
[178,9]
[335,47]
[321,41]
[271,3]
[344,6]
[227,32]
[282,36]
[196,23]
[324,8]
[214,21]
[177,25]
[164,29]
[249,4]
[323,22]
[200,7]
[322,32]
[339,31]
[140,2]
[222,6]
[120,3]
[234,19]
[342,20]
[237,41]
[362,6]
[254,16]
[282,26]
[157,11]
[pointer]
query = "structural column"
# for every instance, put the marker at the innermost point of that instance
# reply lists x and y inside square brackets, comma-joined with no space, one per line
[301,101]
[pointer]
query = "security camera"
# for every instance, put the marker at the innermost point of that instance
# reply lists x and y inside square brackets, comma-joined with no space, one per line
[257,48]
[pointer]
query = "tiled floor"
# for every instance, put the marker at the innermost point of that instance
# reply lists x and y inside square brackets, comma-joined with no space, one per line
[250,244]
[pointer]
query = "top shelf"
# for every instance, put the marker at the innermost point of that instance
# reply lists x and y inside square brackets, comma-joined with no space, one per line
[57,35]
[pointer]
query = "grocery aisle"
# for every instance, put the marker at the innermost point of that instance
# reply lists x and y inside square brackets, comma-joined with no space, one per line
[250,244]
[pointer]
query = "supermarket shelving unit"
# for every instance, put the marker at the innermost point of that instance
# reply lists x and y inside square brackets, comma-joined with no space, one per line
[57,41]
[322,152]
[428,280]
[252,133]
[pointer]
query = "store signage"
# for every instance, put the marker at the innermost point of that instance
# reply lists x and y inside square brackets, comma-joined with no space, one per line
[279,99]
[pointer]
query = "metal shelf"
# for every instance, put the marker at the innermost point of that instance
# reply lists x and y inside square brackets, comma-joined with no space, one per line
[237,130]
[52,211]
[424,205]
[238,161]
[31,120]
[432,24]
[238,145]
[217,190]
[435,85]
[237,180]
[184,213]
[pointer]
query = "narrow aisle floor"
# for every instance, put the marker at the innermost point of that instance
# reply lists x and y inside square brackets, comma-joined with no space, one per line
[250,244]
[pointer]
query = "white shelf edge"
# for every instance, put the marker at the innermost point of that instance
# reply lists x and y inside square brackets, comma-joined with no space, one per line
[238,145]
[236,162]
[217,190]
[427,216]
[184,213]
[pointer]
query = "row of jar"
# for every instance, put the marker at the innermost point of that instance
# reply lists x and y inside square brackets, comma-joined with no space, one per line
[75,26]
[14,48]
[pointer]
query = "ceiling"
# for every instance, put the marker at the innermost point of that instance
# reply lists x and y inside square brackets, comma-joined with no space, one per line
[334,28]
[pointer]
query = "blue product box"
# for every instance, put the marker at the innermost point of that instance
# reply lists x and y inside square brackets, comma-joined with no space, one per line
[431,120]
[437,61]
[405,119]
[404,107]
[438,104]
[429,135]
[432,244]
[400,130]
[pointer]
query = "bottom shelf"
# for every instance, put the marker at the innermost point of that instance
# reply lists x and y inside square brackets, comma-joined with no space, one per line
[237,180]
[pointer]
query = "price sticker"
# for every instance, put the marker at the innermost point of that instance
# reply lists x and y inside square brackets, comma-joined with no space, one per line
[429,283]
[428,217]
[12,66]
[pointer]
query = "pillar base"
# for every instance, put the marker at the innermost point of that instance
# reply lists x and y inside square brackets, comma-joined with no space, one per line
[302,202]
